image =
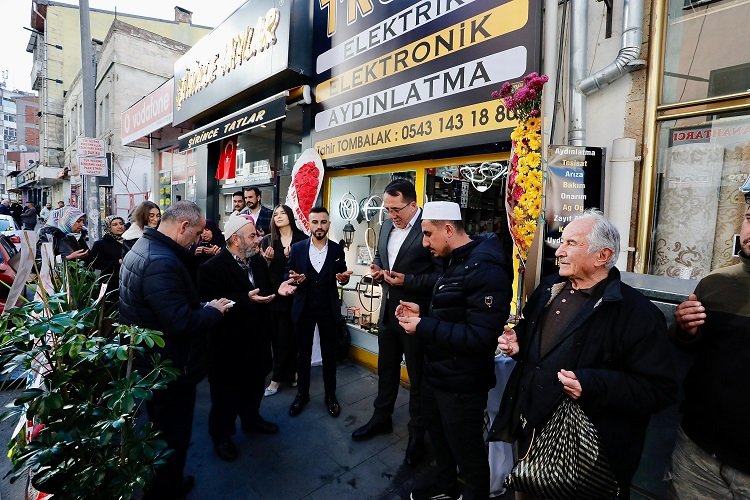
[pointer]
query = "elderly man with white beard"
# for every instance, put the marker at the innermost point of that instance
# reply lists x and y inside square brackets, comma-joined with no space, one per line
[240,348]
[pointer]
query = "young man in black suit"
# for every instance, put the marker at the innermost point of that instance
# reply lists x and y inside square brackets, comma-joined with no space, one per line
[316,265]
[240,355]
[407,271]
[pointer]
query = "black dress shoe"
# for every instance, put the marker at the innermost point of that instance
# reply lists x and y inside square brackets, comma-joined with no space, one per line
[334,409]
[226,450]
[262,426]
[372,428]
[300,400]
[415,451]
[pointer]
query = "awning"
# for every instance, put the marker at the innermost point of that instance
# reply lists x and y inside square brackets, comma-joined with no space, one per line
[255,115]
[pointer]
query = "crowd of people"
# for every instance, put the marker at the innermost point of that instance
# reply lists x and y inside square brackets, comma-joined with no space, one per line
[586,337]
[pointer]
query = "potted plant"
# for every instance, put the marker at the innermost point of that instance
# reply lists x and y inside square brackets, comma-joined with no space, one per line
[83,395]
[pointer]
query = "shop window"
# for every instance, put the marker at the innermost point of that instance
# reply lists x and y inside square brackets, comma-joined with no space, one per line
[706,53]
[478,188]
[702,162]
[357,199]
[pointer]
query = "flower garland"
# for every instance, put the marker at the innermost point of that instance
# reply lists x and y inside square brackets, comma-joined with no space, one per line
[525,178]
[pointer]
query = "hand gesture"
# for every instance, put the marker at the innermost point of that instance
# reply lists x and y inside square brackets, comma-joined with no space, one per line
[343,278]
[199,250]
[570,384]
[297,278]
[255,296]
[407,310]
[690,315]
[508,342]
[223,305]
[393,278]
[409,323]
[78,254]
[376,272]
[287,288]
[214,249]
[268,253]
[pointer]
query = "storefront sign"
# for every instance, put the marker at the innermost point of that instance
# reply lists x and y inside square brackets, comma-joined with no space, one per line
[247,48]
[253,116]
[575,182]
[149,114]
[724,132]
[399,78]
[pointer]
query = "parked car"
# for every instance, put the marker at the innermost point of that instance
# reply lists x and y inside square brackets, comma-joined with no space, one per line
[9,228]
[9,256]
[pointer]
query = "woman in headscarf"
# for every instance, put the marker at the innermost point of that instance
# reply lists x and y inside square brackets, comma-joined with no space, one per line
[210,243]
[67,239]
[147,214]
[106,254]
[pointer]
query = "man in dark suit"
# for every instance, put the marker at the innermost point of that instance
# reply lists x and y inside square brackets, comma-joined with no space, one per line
[240,350]
[400,250]
[261,215]
[316,265]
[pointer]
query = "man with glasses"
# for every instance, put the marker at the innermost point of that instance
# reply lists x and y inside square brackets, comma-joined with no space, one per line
[400,250]
[710,458]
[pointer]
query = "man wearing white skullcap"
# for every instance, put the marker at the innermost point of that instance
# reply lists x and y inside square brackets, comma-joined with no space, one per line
[470,304]
[239,360]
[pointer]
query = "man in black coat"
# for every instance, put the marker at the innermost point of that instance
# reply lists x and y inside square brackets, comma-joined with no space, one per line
[316,265]
[407,271]
[240,348]
[470,300]
[156,292]
[588,336]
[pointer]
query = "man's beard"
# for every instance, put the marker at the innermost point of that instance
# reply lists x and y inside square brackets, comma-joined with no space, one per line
[320,238]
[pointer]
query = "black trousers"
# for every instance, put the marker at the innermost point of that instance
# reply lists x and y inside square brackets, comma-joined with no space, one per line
[236,391]
[305,330]
[393,343]
[171,412]
[284,347]
[455,422]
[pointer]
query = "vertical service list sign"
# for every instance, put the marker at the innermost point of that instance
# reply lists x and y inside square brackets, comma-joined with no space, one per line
[400,78]
[575,182]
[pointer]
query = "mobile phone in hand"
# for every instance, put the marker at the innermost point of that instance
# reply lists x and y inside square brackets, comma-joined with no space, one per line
[231,303]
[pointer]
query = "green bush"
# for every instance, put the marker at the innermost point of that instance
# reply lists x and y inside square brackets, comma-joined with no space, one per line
[88,395]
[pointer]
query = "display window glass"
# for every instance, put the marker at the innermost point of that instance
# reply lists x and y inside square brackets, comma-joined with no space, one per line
[706,50]
[702,163]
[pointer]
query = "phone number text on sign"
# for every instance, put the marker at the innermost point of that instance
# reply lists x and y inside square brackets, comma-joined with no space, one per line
[476,118]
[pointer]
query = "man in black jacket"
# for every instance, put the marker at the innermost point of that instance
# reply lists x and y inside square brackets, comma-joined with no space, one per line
[470,301]
[588,336]
[156,292]
[316,265]
[260,213]
[407,270]
[240,348]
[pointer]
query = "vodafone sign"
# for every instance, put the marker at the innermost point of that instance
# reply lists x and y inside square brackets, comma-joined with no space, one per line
[150,113]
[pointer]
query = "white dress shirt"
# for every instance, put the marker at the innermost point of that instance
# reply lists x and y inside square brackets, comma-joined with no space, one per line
[397,237]
[318,257]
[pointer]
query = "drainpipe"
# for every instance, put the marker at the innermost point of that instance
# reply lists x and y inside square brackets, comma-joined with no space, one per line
[578,39]
[627,59]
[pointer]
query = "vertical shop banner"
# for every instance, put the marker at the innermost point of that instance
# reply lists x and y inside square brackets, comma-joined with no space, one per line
[575,182]
[227,168]
[416,76]
[307,179]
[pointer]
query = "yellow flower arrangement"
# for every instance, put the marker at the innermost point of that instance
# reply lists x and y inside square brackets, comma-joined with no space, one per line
[523,197]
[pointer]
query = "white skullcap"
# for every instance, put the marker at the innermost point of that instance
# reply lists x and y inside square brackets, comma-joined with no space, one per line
[441,210]
[233,224]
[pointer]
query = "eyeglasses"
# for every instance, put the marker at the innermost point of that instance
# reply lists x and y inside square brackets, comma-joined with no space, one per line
[394,211]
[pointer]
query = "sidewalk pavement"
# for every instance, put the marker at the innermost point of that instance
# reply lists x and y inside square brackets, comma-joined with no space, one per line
[313,455]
